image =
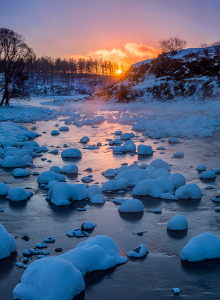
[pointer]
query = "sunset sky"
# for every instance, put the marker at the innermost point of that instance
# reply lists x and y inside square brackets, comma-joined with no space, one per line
[124,30]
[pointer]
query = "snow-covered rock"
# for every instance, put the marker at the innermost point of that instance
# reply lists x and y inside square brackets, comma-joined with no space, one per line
[207,175]
[201,247]
[189,191]
[63,193]
[84,139]
[56,169]
[49,278]
[125,136]
[71,153]
[173,140]
[96,253]
[177,179]
[149,187]
[70,169]
[17,194]
[178,154]
[140,251]
[178,222]
[7,243]
[159,163]
[47,176]
[77,233]
[161,172]
[201,167]
[120,149]
[131,206]
[133,175]
[64,128]
[167,196]
[55,132]
[51,184]
[97,199]
[93,190]
[4,188]
[168,186]
[88,226]
[115,185]
[13,162]
[145,150]
[20,172]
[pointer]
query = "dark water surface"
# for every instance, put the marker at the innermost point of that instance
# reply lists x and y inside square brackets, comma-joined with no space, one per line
[151,277]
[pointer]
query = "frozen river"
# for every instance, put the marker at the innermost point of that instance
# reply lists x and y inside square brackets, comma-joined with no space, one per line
[151,277]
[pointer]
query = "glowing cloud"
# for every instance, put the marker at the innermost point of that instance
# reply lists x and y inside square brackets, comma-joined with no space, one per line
[141,50]
[114,54]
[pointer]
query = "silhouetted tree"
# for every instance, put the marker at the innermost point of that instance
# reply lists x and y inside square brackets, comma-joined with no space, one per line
[172,44]
[15,60]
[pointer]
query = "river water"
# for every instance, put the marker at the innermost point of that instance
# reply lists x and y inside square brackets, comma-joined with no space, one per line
[151,277]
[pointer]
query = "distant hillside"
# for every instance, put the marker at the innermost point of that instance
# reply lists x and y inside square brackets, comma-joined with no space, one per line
[192,73]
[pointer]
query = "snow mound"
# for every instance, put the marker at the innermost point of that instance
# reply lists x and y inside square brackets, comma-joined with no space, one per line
[131,206]
[125,136]
[120,149]
[7,243]
[96,253]
[149,187]
[177,179]
[4,188]
[145,150]
[47,176]
[63,193]
[71,153]
[173,140]
[161,172]
[17,194]
[168,186]
[178,222]
[114,185]
[140,251]
[77,233]
[84,139]
[189,191]
[64,128]
[178,154]
[51,184]
[201,247]
[13,162]
[159,163]
[88,226]
[97,199]
[201,168]
[20,172]
[207,175]
[49,278]
[133,175]
[56,169]
[55,132]
[93,190]
[70,169]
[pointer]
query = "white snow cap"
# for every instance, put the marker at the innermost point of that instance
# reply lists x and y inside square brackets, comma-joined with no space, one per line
[96,253]
[4,188]
[201,168]
[13,162]
[177,179]
[71,152]
[63,193]
[97,199]
[133,175]
[7,243]
[84,139]
[18,172]
[201,247]
[161,172]
[70,169]
[145,150]
[189,191]
[178,222]
[131,206]
[47,176]
[17,194]
[139,251]
[149,187]
[114,185]
[49,278]
[178,154]
[207,175]
[159,163]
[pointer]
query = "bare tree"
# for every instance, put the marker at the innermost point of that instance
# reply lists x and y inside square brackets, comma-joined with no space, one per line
[15,59]
[172,44]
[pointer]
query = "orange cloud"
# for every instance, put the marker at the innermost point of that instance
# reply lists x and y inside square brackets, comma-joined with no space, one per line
[141,50]
[133,53]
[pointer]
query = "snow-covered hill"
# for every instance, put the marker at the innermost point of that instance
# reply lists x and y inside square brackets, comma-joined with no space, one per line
[192,73]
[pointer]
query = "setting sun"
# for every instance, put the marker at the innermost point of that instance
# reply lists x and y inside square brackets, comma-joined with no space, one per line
[119,72]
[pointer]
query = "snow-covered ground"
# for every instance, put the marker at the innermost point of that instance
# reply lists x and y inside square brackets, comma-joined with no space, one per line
[85,190]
